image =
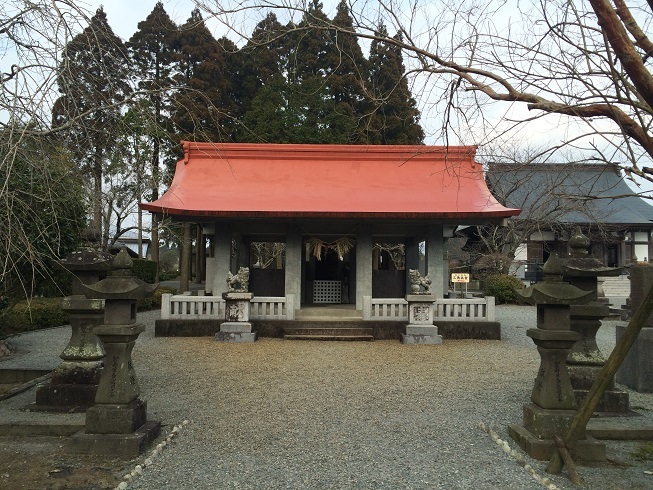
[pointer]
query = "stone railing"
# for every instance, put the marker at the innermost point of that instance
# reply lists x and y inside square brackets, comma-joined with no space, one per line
[187,307]
[385,309]
[272,308]
[396,309]
[470,310]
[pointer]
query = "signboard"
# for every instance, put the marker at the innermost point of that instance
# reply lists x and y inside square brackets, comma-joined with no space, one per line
[460,277]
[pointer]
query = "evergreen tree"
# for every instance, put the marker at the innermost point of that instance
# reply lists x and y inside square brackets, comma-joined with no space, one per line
[347,83]
[312,113]
[395,117]
[258,64]
[93,80]
[152,53]
[201,104]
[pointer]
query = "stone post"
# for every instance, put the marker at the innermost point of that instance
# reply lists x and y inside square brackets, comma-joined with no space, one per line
[553,403]
[117,425]
[74,382]
[237,327]
[636,371]
[420,328]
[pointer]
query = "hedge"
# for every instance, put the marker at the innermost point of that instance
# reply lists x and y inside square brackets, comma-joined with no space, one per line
[46,313]
[145,270]
[37,314]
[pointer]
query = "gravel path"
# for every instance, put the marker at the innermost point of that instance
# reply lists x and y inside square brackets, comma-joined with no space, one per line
[363,415]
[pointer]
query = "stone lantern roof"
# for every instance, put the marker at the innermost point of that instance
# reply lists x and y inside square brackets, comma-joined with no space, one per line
[553,290]
[121,283]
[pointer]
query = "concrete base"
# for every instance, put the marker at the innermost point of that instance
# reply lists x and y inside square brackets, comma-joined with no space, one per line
[57,397]
[235,332]
[116,419]
[421,334]
[613,401]
[383,330]
[630,426]
[236,327]
[235,337]
[421,339]
[544,423]
[588,449]
[123,446]
[582,378]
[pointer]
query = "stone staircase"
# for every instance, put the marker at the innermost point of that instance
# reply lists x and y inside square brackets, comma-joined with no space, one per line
[334,322]
[327,331]
[618,286]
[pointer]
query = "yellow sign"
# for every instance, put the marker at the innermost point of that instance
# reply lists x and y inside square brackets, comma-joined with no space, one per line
[460,277]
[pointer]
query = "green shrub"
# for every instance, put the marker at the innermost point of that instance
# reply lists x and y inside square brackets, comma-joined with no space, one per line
[154,302]
[38,313]
[502,287]
[145,270]
[168,276]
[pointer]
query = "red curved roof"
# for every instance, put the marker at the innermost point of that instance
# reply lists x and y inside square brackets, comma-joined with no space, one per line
[343,181]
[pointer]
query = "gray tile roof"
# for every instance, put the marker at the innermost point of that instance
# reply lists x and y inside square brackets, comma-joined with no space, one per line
[556,192]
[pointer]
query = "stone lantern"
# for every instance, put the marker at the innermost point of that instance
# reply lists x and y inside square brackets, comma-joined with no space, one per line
[117,424]
[74,382]
[585,360]
[553,403]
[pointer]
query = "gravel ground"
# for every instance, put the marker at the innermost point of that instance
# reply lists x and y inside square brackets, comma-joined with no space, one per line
[362,415]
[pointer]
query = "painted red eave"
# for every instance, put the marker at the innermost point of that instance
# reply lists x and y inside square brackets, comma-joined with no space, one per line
[341,181]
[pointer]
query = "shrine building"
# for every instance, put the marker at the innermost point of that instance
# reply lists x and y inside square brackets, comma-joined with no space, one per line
[333,214]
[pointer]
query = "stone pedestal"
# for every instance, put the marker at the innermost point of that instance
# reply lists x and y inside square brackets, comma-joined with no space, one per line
[74,382]
[237,327]
[553,401]
[117,425]
[420,329]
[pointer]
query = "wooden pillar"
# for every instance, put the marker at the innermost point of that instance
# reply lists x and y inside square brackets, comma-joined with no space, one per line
[363,264]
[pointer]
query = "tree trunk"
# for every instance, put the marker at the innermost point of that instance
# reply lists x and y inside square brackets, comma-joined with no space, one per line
[97,198]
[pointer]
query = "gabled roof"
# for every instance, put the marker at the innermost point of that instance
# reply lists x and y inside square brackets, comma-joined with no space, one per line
[558,192]
[335,181]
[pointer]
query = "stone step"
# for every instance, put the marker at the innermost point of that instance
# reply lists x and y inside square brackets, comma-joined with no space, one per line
[616,286]
[328,332]
[350,338]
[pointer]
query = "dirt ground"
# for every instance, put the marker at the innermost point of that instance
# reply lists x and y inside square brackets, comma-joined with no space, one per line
[43,463]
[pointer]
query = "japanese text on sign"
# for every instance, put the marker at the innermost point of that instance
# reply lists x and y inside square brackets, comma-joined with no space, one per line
[460,277]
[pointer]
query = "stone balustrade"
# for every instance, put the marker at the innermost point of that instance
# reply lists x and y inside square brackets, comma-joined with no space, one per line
[476,309]
[396,309]
[200,307]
